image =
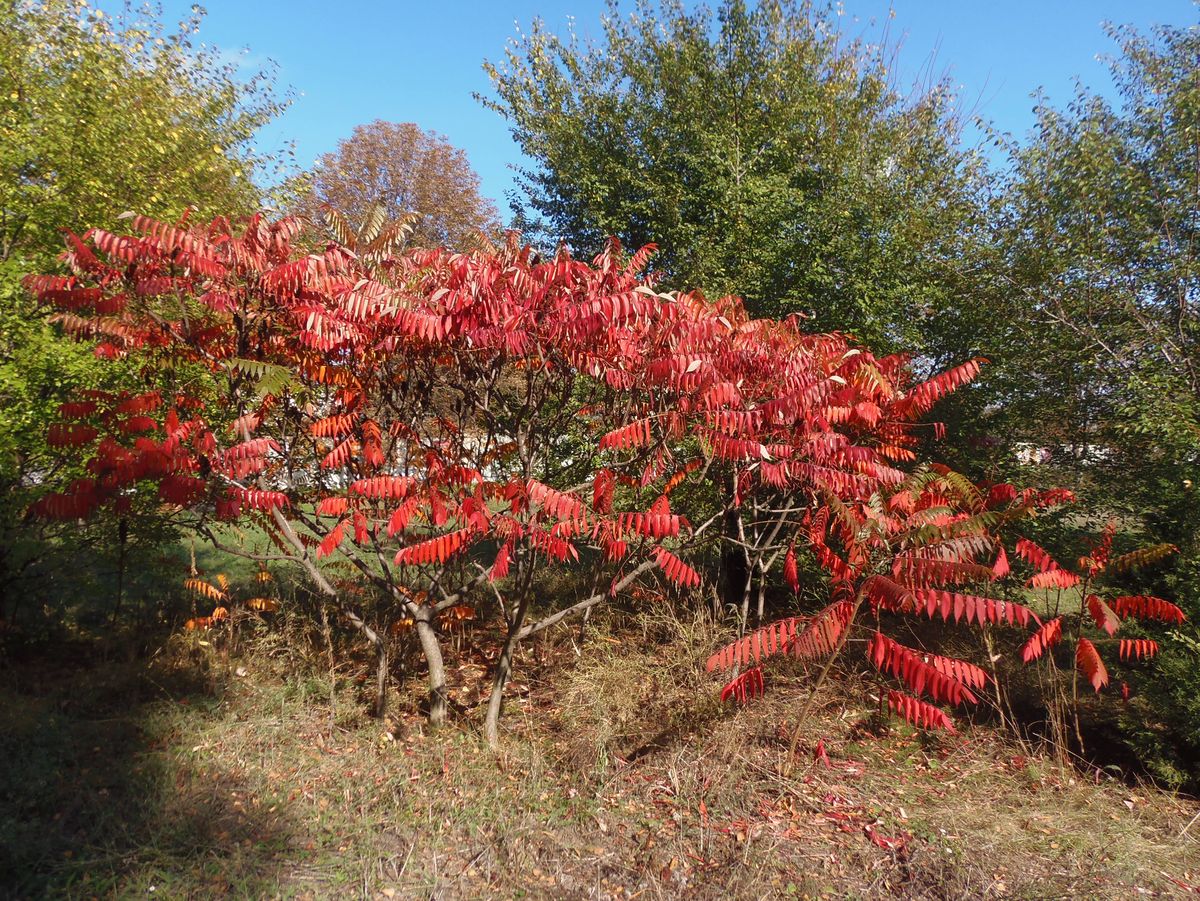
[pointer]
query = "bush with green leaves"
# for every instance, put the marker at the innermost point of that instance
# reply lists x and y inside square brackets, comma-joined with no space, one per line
[98,115]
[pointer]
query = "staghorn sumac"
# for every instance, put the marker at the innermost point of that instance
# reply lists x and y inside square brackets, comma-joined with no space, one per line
[1089,615]
[446,426]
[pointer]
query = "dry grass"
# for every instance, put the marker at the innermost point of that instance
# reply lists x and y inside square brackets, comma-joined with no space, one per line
[620,777]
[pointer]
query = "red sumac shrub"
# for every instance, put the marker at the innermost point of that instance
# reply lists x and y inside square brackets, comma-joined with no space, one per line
[440,421]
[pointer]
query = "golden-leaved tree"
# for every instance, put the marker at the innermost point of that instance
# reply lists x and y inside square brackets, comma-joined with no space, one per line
[400,168]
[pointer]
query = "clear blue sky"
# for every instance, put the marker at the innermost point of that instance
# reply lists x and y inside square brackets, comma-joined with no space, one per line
[354,61]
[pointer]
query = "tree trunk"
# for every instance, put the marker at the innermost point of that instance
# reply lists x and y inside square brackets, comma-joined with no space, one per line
[733,565]
[327,631]
[122,538]
[491,725]
[381,677]
[427,635]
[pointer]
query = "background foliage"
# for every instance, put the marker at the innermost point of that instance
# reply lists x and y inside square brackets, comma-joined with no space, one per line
[1093,316]
[405,170]
[98,115]
[766,154]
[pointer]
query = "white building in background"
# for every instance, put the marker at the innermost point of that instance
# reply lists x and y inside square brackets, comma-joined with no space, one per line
[1029,454]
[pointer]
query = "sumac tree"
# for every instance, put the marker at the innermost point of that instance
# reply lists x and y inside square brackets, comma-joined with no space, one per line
[940,547]
[927,546]
[1085,610]
[449,425]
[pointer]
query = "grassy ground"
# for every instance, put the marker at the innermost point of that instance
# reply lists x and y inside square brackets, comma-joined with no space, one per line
[196,776]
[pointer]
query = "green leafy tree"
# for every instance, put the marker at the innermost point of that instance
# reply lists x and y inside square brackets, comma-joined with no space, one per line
[98,115]
[1095,327]
[1091,313]
[766,154]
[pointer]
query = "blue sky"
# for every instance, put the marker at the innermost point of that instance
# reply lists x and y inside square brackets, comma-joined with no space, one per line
[354,61]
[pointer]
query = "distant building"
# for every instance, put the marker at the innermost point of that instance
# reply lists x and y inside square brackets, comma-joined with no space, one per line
[1029,454]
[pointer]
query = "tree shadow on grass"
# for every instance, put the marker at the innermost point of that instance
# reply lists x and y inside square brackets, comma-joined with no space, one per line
[97,799]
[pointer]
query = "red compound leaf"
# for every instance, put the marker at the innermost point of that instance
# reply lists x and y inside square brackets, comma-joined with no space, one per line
[401,516]
[1147,607]
[824,630]
[1087,658]
[260,500]
[1047,636]
[918,712]
[919,675]
[676,570]
[561,505]
[332,541]
[1036,555]
[951,605]
[340,455]
[775,638]
[1102,614]
[960,670]
[1138,648]
[77,409]
[333,506]
[1054,578]
[791,574]
[434,550]
[749,684]
[394,488]
[628,437]
[1097,559]
[70,434]
[602,491]
[502,562]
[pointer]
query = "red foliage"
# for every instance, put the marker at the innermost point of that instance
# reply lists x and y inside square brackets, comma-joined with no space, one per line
[824,631]
[1089,663]
[775,638]
[951,605]
[1102,615]
[1039,557]
[434,550]
[919,675]
[791,574]
[1147,607]
[918,712]
[676,570]
[430,392]
[749,684]
[931,530]
[1047,636]
[1054,578]
[1138,648]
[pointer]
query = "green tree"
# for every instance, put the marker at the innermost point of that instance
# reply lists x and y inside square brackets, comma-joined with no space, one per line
[1091,314]
[1095,325]
[98,116]
[765,153]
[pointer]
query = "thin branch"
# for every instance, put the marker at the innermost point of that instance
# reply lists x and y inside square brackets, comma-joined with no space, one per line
[586,603]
